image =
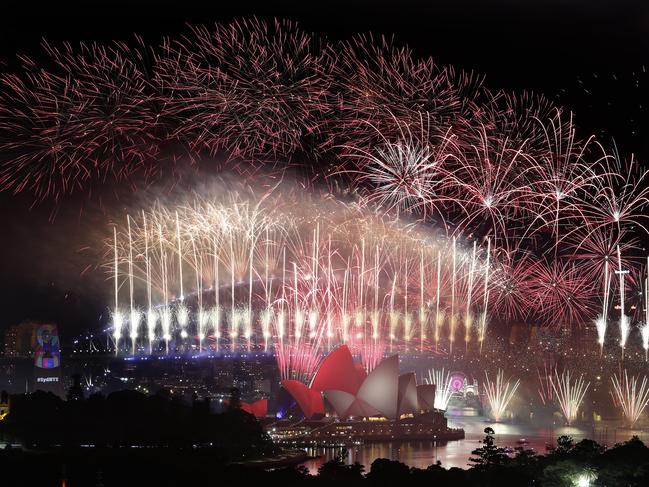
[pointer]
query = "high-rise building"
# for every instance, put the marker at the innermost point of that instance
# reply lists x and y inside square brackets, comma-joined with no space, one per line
[39,342]
[20,340]
[10,338]
[47,359]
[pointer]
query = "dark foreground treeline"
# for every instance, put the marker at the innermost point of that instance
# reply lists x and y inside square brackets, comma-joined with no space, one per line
[624,465]
[130,439]
[43,421]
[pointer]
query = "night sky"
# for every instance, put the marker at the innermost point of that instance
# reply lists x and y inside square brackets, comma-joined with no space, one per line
[590,56]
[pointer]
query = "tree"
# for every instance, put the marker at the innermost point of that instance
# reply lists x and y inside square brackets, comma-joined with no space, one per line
[524,457]
[335,472]
[564,444]
[587,450]
[75,392]
[489,454]
[625,464]
[387,472]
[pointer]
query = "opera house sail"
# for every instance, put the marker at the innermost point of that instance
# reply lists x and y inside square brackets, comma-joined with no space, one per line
[344,403]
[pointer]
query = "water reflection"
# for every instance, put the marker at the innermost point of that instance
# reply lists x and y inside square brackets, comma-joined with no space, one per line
[420,454]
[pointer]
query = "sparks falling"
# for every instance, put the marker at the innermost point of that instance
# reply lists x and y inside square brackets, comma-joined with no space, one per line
[632,395]
[569,394]
[443,391]
[499,394]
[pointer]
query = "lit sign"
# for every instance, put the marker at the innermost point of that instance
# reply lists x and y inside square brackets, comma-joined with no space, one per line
[47,379]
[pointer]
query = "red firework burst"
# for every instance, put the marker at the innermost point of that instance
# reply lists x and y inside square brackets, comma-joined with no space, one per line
[382,86]
[510,286]
[249,88]
[561,295]
[592,249]
[92,115]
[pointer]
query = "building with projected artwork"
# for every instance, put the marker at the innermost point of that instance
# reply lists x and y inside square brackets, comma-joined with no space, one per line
[47,359]
[32,358]
[344,403]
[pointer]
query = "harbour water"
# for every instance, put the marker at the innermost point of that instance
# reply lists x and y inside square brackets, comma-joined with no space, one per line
[420,454]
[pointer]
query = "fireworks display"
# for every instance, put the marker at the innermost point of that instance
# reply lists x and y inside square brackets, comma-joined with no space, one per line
[449,206]
[294,275]
[545,389]
[443,389]
[499,394]
[631,394]
[409,138]
[569,393]
[376,199]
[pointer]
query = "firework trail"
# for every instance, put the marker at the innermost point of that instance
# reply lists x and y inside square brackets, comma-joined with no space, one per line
[443,391]
[644,329]
[625,324]
[499,394]
[622,195]
[483,316]
[602,320]
[644,332]
[545,390]
[569,394]
[632,395]
[397,135]
[117,318]
[243,275]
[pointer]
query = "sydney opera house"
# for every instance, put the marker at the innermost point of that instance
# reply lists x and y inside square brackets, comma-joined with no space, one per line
[344,403]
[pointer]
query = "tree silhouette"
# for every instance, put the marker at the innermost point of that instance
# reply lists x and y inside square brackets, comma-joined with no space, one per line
[564,444]
[488,454]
